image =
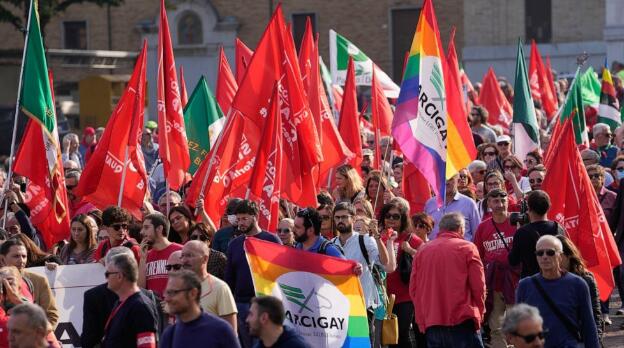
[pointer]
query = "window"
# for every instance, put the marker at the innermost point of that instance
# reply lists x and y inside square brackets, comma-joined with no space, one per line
[538,15]
[299,24]
[75,35]
[190,29]
[404,21]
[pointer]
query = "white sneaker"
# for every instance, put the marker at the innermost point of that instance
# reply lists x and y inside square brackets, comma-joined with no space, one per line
[620,311]
[606,319]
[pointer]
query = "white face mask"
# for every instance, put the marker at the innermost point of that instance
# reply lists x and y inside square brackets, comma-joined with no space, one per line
[619,174]
[232,219]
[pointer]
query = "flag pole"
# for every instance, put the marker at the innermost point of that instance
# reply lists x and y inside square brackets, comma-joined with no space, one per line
[381,169]
[123,178]
[16,114]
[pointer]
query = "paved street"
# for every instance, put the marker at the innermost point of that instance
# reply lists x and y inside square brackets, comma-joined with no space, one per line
[615,335]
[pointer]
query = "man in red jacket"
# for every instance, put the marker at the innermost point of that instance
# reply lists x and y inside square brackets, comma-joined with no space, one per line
[447,287]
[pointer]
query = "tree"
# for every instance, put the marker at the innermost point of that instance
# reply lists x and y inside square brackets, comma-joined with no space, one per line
[47,10]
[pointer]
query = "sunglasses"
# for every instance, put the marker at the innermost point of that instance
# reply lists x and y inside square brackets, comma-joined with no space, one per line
[503,144]
[175,267]
[595,176]
[118,227]
[533,181]
[620,169]
[108,274]
[393,216]
[198,237]
[530,338]
[548,252]
[421,225]
[489,154]
[283,230]
[463,176]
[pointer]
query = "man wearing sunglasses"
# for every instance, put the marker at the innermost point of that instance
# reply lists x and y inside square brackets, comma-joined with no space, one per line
[155,251]
[494,238]
[602,138]
[536,177]
[116,221]
[562,298]
[523,327]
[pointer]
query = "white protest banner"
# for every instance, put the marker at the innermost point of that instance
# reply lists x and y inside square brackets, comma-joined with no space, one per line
[69,284]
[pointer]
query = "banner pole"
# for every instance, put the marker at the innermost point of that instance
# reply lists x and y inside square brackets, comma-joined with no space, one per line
[123,178]
[16,114]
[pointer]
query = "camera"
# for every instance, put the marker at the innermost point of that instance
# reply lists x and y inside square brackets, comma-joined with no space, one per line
[522,217]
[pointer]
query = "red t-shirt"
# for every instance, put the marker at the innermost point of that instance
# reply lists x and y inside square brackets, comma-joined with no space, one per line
[491,247]
[394,283]
[106,246]
[155,272]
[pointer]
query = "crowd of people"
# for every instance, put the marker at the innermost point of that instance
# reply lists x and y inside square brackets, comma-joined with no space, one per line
[488,267]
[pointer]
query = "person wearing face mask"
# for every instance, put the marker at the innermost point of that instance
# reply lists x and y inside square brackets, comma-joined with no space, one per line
[228,229]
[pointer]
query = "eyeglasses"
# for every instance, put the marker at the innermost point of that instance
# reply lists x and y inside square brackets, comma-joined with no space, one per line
[172,292]
[108,274]
[393,216]
[489,154]
[421,225]
[173,266]
[530,338]
[548,252]
[342,217]
[283,230]
[198,236]
[533,181]
[117,227]
[595,176]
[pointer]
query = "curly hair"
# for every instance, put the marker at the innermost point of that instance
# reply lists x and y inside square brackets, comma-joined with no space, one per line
[114,214]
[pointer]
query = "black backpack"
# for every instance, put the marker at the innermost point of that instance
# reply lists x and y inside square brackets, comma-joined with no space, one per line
[325,243]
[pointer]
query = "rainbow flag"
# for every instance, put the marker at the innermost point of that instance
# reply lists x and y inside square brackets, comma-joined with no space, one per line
[322,297]
[420,119]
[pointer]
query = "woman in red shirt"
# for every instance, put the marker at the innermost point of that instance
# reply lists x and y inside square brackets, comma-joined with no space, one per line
[394,217]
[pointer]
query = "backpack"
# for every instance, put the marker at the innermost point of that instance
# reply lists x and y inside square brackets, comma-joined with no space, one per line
[325,243]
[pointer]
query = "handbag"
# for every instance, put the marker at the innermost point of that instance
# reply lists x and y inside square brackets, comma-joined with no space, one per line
[405,264]
[390,325]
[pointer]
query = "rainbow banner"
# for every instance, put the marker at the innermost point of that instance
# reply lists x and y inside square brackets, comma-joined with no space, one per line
[420,118]
[322,297]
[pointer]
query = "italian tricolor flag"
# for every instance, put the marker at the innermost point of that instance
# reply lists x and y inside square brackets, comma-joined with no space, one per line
[524,125]
[609,108]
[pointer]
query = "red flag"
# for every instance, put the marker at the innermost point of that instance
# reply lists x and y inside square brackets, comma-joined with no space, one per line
[172,143]
[415,188]
[575,205]
[243,58]
[337,93]
[183,94]
[266,179]
[541,88]
[46,195]
[551,82]
[493,99]
[101,179]
[381,110]
[226,84]
[349,126]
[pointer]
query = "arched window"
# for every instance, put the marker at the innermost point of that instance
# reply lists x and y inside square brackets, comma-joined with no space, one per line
[190,29]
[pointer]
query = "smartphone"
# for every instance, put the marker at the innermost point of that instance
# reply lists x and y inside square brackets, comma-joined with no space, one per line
[23,187]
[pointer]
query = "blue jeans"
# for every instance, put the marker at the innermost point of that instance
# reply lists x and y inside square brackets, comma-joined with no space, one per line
[458,336]
[244,337]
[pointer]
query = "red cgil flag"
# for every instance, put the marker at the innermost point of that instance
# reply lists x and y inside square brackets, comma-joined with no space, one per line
[575,205]
[183,94]
[416,188]
[172,144]
[226,83]
[493,99]
[46,195]
[266,179]
[348,126]
[541,88]
[381,116]
[101,179]
[243,58]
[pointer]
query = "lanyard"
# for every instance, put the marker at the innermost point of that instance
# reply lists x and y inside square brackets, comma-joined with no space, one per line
[113,313]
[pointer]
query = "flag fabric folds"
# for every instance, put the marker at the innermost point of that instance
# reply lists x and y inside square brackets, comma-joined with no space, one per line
[575,205]
[313,285]
[609,108]
[265,183]
[204,121]
[525,128]
[183,93]
[420,122]
[120,147]
[39,156]
[340,49]
[243,55]
[172,144]
[226,83]
[541,88]
[348,125]
[493,99]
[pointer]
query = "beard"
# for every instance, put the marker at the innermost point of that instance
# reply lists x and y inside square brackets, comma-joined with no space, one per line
[244,230]
[301,239]
[344,228]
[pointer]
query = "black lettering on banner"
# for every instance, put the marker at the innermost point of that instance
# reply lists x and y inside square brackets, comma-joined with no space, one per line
[68,327]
